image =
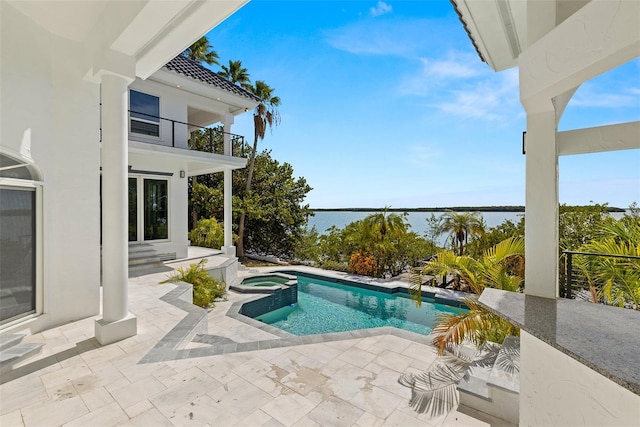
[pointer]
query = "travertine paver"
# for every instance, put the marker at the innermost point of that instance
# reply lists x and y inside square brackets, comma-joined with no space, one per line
[341,382]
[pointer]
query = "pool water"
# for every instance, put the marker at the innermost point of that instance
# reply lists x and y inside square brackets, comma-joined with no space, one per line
[265,281]
[325,306]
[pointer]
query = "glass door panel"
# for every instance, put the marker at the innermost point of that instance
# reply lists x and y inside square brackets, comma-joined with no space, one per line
[156,209]
[17,253]
[133,209]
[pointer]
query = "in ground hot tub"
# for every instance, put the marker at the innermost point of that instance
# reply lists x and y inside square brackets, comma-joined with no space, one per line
[281,290]
[275,279]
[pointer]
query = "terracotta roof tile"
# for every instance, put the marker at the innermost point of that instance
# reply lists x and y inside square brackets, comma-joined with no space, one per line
[190,68]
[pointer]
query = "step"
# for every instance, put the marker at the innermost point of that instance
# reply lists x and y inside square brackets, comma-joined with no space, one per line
[17,353]
[156,260]
[495,389]
[505,373]
[10,340]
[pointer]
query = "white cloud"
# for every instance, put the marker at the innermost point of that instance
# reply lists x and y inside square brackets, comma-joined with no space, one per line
[459,85]
[450,67]
[494,98]
[392,37]
[436,73]
[381,8]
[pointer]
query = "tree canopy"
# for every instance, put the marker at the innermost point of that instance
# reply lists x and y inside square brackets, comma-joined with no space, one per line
[202,51]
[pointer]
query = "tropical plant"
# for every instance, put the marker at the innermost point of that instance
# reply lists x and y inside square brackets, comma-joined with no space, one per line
[501,267]
[207,233]
[202,51]
[236,74]
[433,229]
[434,391]
[579,225]
[307,247]
[363,263]
[461,225]
[265,116]
[206,289]
[276,212]
[614,279]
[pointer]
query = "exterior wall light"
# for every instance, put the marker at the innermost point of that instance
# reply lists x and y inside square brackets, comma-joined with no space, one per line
[181,174]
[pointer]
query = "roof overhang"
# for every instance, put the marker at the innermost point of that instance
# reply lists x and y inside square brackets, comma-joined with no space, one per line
[497,29]
[152,32]
[197,162]
[236,104]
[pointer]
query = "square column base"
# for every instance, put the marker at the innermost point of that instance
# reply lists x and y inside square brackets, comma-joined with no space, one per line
[229,251]
[110,332]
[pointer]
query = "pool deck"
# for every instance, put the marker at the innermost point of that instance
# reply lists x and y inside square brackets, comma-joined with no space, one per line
[344,380]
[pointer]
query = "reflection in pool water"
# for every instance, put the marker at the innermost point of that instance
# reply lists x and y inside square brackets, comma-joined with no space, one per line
[325,306]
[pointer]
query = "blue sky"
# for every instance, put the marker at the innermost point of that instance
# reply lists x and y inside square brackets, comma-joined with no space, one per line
[388,104]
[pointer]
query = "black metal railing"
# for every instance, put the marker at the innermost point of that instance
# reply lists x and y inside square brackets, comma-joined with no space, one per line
[200,138]
[582,282]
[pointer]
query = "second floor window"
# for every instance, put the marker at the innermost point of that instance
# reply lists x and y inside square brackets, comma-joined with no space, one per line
[145,113]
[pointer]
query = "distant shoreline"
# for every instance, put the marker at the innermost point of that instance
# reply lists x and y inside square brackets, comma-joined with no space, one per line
[441,209]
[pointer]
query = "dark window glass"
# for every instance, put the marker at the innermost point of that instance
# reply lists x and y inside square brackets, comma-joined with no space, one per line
[17,253]
[156,209]
[133,209]
[145,112]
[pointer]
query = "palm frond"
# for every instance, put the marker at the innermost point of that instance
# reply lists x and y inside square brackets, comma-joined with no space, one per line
[434,392]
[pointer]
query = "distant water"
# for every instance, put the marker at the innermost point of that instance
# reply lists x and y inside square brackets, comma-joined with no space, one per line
[418,220]
[325,219]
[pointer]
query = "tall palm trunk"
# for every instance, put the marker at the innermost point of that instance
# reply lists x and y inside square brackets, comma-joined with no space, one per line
[243,214]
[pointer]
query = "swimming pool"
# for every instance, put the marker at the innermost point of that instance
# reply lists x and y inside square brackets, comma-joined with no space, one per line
[325,306]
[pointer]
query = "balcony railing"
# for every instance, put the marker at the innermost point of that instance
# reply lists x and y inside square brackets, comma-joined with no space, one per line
[209,140]
[581,279]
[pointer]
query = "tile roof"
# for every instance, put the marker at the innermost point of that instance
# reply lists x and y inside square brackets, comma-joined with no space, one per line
[466,28]
[190,68]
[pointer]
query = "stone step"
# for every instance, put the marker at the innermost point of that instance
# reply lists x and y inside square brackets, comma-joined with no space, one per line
[17,353]
[150,261]
[495,389]
[505,373]
[10,340]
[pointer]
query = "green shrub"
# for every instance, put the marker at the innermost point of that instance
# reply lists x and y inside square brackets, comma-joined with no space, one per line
[208,233]
[335,266]
[206,289]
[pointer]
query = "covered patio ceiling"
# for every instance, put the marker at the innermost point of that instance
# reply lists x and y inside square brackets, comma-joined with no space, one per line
[153,32]
[498,28]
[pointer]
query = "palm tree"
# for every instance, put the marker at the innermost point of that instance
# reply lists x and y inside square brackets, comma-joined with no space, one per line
[616,279]
[377,235]
[460,225]
[236,74]
[501,267]
[202,51]
[264,116]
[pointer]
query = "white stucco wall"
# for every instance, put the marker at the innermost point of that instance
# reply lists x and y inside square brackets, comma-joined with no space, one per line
[556,390]
[46,104]
[171,107]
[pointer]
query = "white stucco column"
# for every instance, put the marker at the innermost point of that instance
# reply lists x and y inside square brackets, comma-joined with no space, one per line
[228,247]
[116,323]
[541,222]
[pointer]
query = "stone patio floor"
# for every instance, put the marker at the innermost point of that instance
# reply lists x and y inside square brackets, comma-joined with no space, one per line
[77,382]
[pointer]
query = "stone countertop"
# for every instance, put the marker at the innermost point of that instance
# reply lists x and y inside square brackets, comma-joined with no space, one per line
[604,338]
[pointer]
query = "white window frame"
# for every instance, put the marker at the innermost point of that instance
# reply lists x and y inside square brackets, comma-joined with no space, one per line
[38,187]
[142,136]
[140,208]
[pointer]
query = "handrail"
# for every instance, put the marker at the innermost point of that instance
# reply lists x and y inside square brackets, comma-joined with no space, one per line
[566,292]
[235,139]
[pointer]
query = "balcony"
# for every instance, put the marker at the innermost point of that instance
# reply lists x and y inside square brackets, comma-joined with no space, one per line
[166,132]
